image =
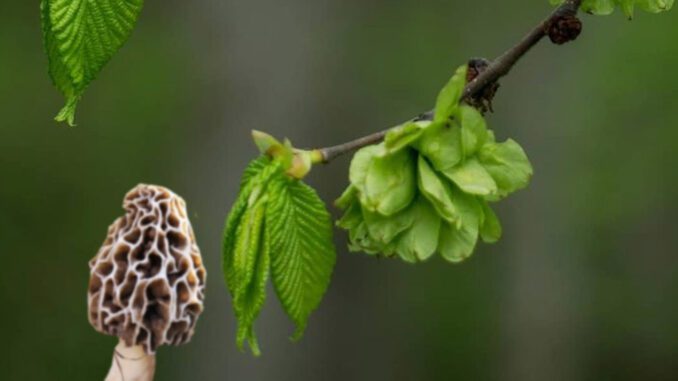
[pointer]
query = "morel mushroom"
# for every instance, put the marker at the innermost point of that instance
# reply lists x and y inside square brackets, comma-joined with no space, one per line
[147,281]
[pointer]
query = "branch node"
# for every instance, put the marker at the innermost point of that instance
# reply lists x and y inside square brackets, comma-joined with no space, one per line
[482,99]
[564,28]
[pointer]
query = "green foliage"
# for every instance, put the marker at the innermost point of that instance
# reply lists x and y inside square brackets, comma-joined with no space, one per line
[605,7]
[246,252]
[427,187]
[299,230]
[450,95]
[279,226]
[507,164]
[387,180]
[80,37]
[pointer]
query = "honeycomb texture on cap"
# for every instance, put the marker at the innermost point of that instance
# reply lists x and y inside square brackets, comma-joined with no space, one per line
[147,281]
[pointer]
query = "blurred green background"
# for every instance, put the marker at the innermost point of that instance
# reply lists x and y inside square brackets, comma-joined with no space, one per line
[583,285]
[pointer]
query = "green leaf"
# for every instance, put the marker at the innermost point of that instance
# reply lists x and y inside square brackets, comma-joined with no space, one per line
[420,241]
[299,230]
[58,71]
[473,129]
[377,238]
[353,216]
[652,6]
[360,164]
[469,208]
[347,198]
[80,37]
[457,242]
[360,240]
[655,6]
[384,181]
[404,135]
[353,221]
[596,7]
[253,170]
[508,165]
[384,229]
[450,95]
[472,178]
[441,144]
[606,7]
[250,267]
[490,230]
[245,256]
[390,185]
[437,192]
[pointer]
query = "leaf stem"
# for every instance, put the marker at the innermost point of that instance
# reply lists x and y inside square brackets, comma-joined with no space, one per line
[500,67]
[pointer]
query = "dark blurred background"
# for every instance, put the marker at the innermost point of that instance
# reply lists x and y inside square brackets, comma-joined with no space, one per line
[583,285]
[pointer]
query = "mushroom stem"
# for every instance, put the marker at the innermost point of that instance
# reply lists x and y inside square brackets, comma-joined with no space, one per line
[131,364]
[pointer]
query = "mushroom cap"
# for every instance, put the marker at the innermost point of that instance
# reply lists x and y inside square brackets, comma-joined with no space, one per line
[147,281]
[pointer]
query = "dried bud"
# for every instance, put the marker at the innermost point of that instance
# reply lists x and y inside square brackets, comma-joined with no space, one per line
[483,99]
[564,29]
[475,67]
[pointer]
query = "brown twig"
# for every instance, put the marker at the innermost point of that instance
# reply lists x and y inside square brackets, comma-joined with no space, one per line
[501,66]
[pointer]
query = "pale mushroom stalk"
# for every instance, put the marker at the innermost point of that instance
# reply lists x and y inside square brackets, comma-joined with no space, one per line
[131,364]
[147,281]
